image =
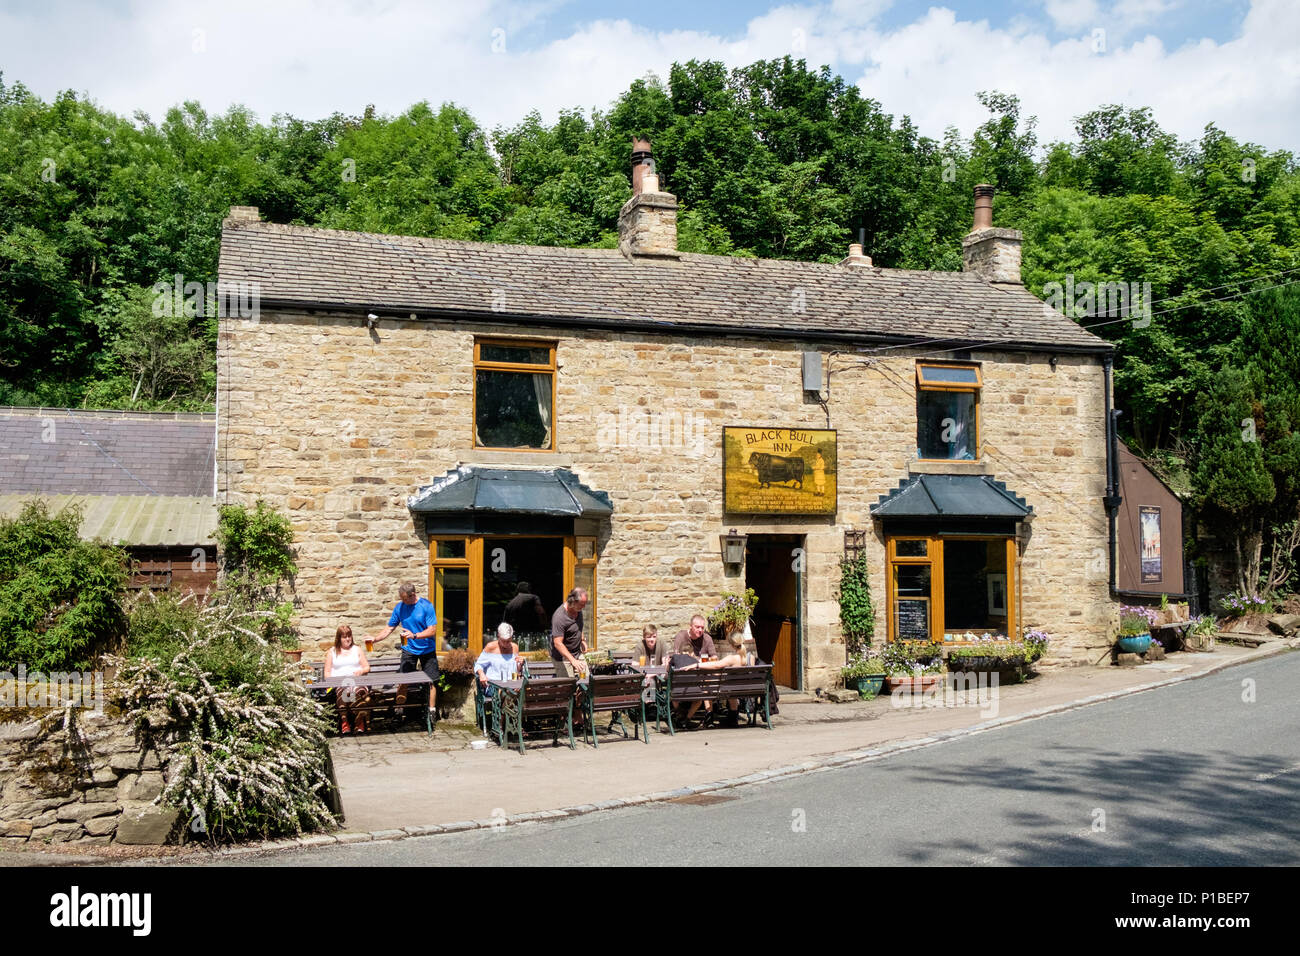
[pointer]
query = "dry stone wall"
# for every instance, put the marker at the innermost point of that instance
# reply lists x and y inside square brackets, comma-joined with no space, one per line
[337,425]
[89,783]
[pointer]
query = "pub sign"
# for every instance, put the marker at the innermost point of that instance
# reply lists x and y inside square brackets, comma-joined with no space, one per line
[779,471]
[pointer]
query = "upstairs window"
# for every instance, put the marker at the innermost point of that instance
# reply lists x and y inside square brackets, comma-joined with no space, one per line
[514,394]
[947,411]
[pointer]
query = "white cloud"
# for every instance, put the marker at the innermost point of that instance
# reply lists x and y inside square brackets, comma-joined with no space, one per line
[311,59]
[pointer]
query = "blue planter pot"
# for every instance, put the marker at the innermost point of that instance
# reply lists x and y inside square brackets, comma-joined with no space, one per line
[1136,644]
[870,685]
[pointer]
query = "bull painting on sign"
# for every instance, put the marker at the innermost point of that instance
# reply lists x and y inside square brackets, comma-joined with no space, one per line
[788,471]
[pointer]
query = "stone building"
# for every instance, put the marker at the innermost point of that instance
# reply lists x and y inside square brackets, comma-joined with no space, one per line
[477,417]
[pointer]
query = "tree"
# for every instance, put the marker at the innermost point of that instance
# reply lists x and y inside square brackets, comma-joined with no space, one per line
[58,594]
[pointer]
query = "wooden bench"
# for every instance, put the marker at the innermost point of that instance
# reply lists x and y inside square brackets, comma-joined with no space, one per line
[535,669]
[378,665]
[712,686]
[613,693]
[532,699]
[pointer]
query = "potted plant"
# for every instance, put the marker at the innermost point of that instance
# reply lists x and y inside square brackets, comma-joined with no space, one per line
[1200,634]
[600,662]
[913,664]
[866,675]
[1135,629]
[732,612]
[987,656]
[290,647]
[1036,642]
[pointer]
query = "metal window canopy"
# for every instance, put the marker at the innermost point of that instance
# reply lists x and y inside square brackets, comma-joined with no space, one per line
[974,498]
[471,498]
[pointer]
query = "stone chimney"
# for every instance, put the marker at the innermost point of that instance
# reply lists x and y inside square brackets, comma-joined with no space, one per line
[855,257]
[647,223]
[243,214]
[987,251]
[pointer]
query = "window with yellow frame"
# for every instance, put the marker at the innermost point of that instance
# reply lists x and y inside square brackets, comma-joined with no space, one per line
[951,588]
[514,394]
[947,411]
[457,567]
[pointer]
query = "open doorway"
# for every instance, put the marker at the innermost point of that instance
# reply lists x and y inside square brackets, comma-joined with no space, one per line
[523,583]
[774,569]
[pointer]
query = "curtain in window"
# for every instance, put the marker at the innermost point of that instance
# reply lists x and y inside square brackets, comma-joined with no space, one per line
[542,386]
[961,409]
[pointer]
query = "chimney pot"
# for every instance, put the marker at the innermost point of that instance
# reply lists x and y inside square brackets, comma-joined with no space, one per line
[983,207]
[855,256]
[647,223]
[991,253]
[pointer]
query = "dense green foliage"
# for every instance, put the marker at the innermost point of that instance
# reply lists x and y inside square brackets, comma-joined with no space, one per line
[257,567]
[772,159]
[58,594]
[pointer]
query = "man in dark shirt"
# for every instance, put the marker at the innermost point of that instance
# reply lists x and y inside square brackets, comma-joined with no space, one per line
[567,644]
[525,613]
[695,640]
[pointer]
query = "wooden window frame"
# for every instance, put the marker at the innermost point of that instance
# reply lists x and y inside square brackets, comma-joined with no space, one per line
[482,366]
[934,558]
[973,387]
[473,561]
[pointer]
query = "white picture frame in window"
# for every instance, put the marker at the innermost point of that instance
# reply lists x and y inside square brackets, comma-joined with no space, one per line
[997,594]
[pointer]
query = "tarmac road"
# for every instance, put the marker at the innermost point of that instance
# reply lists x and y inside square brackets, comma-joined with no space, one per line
[1203,772]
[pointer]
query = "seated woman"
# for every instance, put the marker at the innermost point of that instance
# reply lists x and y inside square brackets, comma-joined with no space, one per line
[347,659]
[499,661]
[735,658]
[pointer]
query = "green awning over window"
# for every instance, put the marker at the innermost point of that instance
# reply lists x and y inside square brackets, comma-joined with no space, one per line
[554,491]
[951,496]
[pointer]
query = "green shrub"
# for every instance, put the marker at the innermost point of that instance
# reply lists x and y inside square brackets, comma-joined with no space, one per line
[59,607]
[257,567]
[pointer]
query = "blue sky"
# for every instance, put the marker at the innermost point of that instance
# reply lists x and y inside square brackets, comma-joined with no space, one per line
[1234,63]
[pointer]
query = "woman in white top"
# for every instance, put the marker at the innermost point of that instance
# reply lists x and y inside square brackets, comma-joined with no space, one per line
[347,659]
[499,660]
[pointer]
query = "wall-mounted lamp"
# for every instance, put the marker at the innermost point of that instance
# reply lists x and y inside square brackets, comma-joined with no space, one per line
[1052,362]
[733,550]
[371,319]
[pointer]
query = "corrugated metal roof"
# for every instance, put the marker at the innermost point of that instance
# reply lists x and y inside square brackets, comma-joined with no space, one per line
[142,520]
[552,491]
[950,496]
[602,287]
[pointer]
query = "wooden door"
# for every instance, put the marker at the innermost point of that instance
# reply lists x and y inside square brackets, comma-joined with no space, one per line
[783,657]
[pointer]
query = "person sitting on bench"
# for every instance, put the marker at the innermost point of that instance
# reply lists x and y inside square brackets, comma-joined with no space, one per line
[347,659]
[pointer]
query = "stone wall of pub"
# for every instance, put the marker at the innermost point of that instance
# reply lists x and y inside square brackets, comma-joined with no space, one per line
[338,426]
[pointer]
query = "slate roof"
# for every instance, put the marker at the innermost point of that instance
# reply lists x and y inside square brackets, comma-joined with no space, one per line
[700,294]
[552,491]
[142,520]
[52,451]
[950,496]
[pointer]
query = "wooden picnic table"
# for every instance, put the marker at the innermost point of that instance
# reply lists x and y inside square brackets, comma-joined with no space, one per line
[377,683]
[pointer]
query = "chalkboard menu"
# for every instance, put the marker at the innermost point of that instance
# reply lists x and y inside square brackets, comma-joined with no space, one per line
[912,619]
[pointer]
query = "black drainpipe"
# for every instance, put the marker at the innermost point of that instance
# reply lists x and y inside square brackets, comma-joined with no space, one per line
[1112,499]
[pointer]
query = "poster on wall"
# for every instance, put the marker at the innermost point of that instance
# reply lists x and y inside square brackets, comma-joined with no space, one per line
[779,471]
[1152,570]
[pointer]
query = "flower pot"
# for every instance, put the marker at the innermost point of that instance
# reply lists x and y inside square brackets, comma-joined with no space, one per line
[294,655]
[914,684]
[1134,643]
[870,685]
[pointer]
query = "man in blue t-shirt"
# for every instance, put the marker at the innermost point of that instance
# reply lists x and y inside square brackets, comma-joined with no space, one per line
[417,623]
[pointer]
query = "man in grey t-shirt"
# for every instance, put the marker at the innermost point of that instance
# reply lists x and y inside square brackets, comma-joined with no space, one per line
[567,644]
